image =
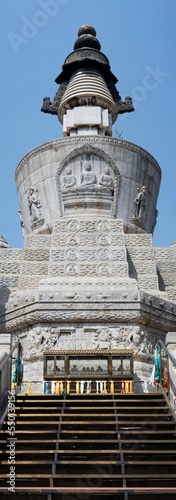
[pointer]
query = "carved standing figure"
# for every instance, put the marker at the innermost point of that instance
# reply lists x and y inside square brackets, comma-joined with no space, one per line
[21,221]
[139,203]
[21,218]
[34,205]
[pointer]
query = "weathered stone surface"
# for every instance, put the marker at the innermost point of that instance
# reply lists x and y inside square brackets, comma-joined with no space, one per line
[5,343]
[125,158]
[37,241]
[28,282]
[137,254]
[37,254]
[138,240]
[40,268]
[9,267]
[88,276]
[148,282]
[14,254]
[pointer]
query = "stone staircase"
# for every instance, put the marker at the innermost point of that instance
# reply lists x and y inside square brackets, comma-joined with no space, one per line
[120,446]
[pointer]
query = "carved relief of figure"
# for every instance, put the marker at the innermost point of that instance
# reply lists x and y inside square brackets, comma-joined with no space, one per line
[68,180]
[103,240]
[154,219]
[71,254]
[72,240]
[88,178]
[72,225]
[34,205]
[72,270]
[104,270]
[102,226]
[139,203]
[103,254]
[106,180]
[21,218]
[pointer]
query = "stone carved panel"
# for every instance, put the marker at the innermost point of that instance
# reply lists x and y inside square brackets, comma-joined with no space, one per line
[9,267]
[88,270]
[103,226]
[171,292]
[72,226]
[10,254]
[167,266]
[88,169]
[72,254]
[148,282]
[118,240]
[103,239]
[103,269]
[37,241]
[28,282]
[87,226]
[138,240]
[145,267]
[40,339]
[9,281]
[169,279]
[58,240]
[72,270]
[103,254]
[34,268]
[163,253]
[127,289]
[87,255]
[141,254]
[40,254]
[59,226]
[73,240]
[118,254]
[57,255]
[88,240]
[117,226]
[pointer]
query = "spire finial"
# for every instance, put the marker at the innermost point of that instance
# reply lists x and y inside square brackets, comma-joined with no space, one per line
[87,38]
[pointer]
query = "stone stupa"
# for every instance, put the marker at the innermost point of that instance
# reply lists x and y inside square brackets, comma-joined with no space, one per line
[88,276]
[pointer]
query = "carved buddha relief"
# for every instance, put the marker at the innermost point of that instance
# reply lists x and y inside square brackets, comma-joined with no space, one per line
[88,179]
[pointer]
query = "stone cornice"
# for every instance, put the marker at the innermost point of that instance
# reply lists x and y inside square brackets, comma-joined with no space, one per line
[147,310]
[79,141]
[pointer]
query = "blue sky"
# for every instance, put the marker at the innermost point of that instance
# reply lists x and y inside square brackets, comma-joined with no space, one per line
[138,37]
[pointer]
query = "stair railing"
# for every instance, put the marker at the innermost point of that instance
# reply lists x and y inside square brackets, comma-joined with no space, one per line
[168,362]
[6,378]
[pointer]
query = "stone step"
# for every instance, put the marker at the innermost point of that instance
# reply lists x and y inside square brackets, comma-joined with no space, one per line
[89,408]
[106,479]
[86,451]
[95,423]
[68,414]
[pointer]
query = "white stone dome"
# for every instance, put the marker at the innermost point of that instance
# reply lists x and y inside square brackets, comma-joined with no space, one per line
[87,87]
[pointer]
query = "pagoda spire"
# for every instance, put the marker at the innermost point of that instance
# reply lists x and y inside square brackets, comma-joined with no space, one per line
[87,100]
